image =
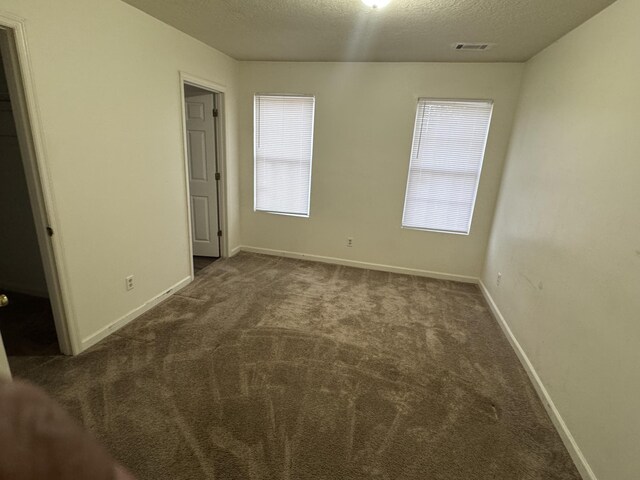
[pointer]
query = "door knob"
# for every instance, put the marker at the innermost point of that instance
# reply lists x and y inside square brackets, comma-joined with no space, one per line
[4,300]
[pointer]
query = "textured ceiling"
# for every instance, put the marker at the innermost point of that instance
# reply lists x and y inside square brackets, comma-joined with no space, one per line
[347,30]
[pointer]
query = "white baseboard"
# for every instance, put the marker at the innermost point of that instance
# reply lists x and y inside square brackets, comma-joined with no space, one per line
[234,251]
[567,438]
[133,314]
[357,264]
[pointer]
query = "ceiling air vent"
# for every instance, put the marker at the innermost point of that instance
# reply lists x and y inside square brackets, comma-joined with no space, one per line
[478,47]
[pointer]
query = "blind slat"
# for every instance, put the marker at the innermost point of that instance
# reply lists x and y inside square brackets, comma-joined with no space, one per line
[283,151]
[448,147]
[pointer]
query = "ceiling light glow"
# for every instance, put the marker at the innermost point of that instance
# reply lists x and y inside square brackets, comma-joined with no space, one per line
[376,3]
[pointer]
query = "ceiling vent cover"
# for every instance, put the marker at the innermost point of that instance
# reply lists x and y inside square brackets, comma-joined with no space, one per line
[478,47]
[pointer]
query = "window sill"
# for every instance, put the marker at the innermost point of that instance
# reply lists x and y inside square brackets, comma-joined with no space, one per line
[465,234]
[283,214]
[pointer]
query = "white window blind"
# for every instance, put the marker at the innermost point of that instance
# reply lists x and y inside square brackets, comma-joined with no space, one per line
[449,140]
[283,148]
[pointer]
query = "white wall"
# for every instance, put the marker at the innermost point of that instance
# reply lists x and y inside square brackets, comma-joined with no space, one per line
[20,262]
[108,94]
[363,130]
[567,234]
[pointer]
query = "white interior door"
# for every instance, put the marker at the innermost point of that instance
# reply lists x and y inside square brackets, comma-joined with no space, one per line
[203,187]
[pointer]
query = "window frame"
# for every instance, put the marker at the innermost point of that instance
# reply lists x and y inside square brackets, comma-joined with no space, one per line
[255,151]
[477,186]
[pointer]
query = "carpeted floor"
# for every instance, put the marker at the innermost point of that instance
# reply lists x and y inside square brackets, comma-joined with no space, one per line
[202,262]
[271,368]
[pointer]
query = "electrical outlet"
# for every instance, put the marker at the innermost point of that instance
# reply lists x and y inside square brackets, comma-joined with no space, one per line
[129,282]
[349,241]
[498,279]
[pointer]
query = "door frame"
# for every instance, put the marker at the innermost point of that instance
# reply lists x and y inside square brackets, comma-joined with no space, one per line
[13,42]
[220,92]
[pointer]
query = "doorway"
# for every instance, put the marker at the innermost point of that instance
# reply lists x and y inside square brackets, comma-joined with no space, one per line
[32,316]
[26,318]
[203,120]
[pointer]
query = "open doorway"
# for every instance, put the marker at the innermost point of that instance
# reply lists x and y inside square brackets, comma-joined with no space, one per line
[32,317]
[26,318]
[204,150]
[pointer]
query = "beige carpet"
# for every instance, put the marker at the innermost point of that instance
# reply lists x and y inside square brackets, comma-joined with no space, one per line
[270,368]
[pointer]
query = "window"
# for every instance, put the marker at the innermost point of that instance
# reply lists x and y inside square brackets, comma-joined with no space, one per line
[283,147]
[449,140]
